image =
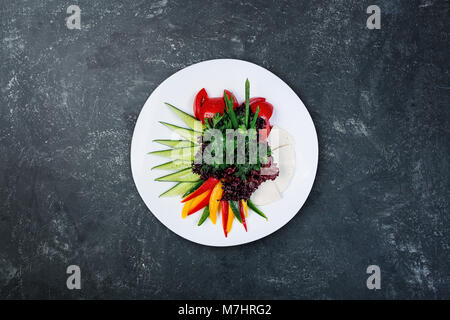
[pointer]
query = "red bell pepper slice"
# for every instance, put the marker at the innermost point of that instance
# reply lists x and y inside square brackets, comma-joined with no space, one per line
[208,107]
[265,112]
[211,107]
[225,207]
[201,204]
[208,184]
[256,99]
[200,98]
[242,213]
[265,108]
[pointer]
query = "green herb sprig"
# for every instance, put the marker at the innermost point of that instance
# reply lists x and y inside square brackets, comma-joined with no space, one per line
[247,101]
[230,111]
[255,117]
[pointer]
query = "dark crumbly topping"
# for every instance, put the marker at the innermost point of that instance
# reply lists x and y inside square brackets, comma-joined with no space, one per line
[235,187]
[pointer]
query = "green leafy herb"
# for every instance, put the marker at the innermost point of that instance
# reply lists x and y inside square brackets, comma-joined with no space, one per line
[243,171]
[230,111]
[255,117]
[216,119]
[247,101]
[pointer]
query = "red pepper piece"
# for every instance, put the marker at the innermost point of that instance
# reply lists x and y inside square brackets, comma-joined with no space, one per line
[208,184]
[199,100]
[242,213]
[211,106]
[225,207]
[256,99]
[201,205]
[265,108]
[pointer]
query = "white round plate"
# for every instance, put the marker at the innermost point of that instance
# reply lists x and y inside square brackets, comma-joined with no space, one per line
[180,90]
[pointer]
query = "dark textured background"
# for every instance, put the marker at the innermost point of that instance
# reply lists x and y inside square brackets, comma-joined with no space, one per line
[379,98]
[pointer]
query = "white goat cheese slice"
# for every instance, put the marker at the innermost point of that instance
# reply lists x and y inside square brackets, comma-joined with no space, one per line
[284,157]
[283,154]
[266,193]
[279,137]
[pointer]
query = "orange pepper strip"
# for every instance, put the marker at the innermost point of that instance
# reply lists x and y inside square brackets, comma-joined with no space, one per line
[186,207]
[230,219]
[214,202]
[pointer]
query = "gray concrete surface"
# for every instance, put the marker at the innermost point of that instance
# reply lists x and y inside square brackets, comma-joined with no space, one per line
[69,100]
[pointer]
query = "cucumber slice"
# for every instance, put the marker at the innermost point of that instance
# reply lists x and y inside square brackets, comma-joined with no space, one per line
[188,134]
[185,175]
[180,153]
[175,143]
[178,189]
[190,121]
[174,165]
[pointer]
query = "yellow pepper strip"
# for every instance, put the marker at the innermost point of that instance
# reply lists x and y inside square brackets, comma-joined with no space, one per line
[244,204]
[186,207]
[230,219]
[214,201]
